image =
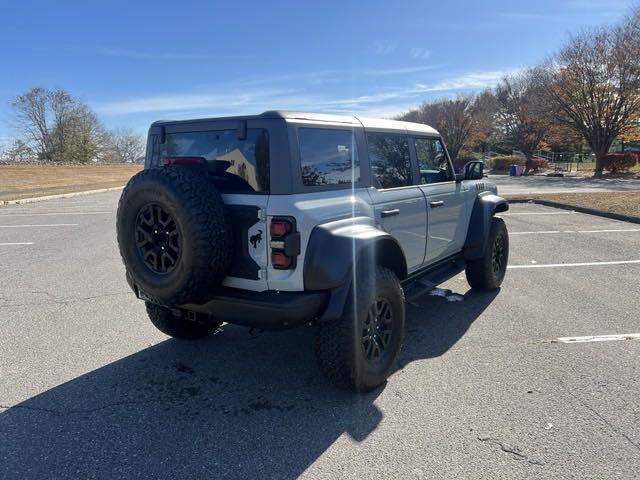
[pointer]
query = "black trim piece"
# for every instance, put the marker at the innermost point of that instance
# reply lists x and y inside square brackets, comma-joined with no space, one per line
[242,218]
[485,206]
[268,310]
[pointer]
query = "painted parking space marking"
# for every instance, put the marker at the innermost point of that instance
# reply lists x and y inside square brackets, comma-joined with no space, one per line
[42,225]
[584,264]
[545,232]
[52,214]
[15,243]
[571,212]
[599,338]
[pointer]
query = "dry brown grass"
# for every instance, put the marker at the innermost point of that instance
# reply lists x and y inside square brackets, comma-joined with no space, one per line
[625,203]
[25,181]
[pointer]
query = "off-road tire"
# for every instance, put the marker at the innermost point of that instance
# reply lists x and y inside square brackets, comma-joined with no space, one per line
[339,344]
[205,251]
[179,324]
[483,274]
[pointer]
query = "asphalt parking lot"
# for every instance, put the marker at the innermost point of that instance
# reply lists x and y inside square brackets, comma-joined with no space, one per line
[89,389]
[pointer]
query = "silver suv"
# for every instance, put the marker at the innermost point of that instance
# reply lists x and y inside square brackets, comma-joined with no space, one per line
[283,219]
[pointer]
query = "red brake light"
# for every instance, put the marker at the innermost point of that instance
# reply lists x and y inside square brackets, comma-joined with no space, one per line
[182,160]
[280,227]
[280,260]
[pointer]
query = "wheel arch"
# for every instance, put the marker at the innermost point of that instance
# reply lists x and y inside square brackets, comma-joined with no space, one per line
[335,247]
[485,207]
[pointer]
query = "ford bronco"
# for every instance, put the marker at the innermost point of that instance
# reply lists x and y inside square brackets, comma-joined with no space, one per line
[282,219]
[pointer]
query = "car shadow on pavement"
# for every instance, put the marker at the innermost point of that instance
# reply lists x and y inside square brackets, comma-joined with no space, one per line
[232,406]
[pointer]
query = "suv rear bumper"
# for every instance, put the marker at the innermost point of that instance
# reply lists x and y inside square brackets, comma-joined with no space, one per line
[269,310]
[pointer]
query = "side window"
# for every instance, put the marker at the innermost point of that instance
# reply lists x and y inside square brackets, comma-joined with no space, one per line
[432,161]
[328,157]
[390,160]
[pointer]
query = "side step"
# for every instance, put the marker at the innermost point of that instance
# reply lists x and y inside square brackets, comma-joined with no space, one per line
[423,281]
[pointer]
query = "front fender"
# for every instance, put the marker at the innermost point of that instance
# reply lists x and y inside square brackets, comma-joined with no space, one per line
[485,207]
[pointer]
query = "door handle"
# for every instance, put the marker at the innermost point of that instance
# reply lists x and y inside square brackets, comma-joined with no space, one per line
[389,213]
[436,204]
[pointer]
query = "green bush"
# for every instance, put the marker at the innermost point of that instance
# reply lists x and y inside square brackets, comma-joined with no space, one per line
[619,162]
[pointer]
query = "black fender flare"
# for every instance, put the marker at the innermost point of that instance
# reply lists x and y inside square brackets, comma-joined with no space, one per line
[335,247]
[485,207]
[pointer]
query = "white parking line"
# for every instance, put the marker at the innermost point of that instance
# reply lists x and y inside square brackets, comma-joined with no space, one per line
[16,243]
[571,212]
[599,338]
[52,214]
[585,264]
[42,225]
[544,232]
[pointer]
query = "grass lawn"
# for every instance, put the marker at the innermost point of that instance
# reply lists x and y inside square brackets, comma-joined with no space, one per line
[625,203]
[25,181]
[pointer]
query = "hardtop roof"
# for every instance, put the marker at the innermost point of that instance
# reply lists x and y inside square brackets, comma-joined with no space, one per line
[374,124]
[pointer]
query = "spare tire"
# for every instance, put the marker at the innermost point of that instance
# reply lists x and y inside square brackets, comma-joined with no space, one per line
[174,235]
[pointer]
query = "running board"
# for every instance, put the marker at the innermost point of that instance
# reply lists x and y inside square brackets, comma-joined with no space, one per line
[423,281]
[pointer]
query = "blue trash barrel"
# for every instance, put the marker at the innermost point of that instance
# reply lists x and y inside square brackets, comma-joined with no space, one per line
[513,170]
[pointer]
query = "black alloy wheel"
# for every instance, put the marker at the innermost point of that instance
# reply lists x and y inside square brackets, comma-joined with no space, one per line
[377,330]
[157,238]
[498,255]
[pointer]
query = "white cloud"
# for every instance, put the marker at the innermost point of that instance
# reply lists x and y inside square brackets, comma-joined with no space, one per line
[153,55]
[226,100]
[383,48]
[401,70]
[419,52]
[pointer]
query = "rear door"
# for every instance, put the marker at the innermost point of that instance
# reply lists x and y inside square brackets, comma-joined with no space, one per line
[444,197]
[399,204]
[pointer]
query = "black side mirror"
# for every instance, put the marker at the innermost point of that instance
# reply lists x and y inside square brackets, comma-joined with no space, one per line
[472,171]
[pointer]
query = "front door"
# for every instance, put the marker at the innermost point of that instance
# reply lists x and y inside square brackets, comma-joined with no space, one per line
[445,202]
[399,205]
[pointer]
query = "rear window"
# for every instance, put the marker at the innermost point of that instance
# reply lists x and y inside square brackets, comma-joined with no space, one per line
[238,165]
[328,157]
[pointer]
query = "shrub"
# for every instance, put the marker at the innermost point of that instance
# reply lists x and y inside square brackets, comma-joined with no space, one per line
[537,163]
[619,162]
[503,163]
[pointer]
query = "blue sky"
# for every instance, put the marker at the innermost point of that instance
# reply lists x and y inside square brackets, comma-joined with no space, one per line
[135,62]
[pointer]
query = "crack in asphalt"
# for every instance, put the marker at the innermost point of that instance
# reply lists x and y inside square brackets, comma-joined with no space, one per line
[57,301]
[513,450]
[600,416]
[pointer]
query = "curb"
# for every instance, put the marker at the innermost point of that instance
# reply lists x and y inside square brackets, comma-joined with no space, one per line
[60,195]
[575,208]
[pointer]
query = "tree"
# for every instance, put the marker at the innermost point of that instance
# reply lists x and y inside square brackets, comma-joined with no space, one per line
[453,118]
[57,126]
[126,145]
[18,152]
[521,113]
[593,85]
[485,108]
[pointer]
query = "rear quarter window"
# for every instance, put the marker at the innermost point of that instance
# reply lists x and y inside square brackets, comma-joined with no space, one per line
[237,165]
[328,157]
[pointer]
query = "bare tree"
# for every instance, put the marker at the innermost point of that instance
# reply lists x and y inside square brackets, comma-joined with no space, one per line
[127,145]
[453,118]
[521,114]
[593,85]
[57,126]
[33,119]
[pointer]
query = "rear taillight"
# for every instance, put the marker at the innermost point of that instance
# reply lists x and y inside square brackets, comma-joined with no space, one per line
[285,243]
